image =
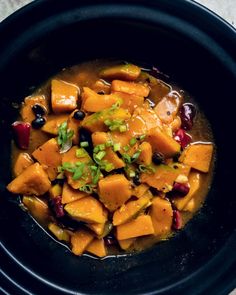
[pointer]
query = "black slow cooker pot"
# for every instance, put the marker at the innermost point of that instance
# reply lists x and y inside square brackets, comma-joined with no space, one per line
[198,50]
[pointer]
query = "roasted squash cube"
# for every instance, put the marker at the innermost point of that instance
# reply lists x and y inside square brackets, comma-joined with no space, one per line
[53,123]
[139,89]
[69,194]
[32,181]
[64,96]
[114,191]
[60,233]
[145,157]
[80,241]
[97,247]
[22,162]
[127,72]
[126,244]
[49,156]
[141,226]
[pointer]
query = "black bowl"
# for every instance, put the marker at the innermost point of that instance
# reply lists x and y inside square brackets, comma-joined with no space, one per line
[197,49]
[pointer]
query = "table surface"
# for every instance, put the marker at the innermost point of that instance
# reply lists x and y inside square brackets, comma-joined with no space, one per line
[225,8]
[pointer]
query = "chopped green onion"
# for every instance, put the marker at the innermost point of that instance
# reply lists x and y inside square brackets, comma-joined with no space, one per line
[108,167]
[102,147]
[80,153]
[87,188]
[84,144]
[132,141]
[95,171]
[142,137]
[136,155]
[122,128]
[116,147]
[126,158]
[147,169]
[64,138]
[126,148]
[99,156]
[132,174]
[108,122]
[109,143]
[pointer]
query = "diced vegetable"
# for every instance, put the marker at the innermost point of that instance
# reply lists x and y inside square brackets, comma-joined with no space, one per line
[80,241]
[114,191]
[101,86]
[69,194]
[49,156]
[99,228]
[60,233]
[139,89]
[140,190]
[126,244]
[130,210]
[87,209]
[198,156]
[38,209]
[141,226]
[53,123]
[97,247]
[145,157]
[64,96]
[22,162]
[32,181]
[55,191]
[93,102]
[195,181]
[164,176]
[127,72]
[129,101]
[27,113]
[163,143]
[162,214]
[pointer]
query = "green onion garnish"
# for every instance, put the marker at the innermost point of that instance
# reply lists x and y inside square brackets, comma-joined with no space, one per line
[84,144]
[132,141]
[116,147]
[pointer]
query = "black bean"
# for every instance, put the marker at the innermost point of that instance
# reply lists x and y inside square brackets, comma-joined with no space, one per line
[38,122]
[157,158]
[136,180]
[79,115]
[38,110]
[85,136]
[154,191]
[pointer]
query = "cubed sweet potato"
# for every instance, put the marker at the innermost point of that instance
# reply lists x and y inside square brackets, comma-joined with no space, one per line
[140,190]
[195,181]
[69,194]
[55,191]
[38,209]
[49,156]
[97,247]
[139,89]
[145,157]
[95,122]
[126,244]
[129,101]
[87,209]
[198,156]
[127,72]
[64,96]
[26,112]
[32,181]
[168,107]
[130,210]
[22,162]
[99,228]
[101,86]
[164,176]
[93,102]
[80,241]
[141,226]
[114,191]
[163,143]
[53,123]
[162,214]
[110,157]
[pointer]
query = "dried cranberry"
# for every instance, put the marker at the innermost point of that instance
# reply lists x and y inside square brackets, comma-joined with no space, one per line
[182,189]
[21,132]
[177,220]
[182,137]
[187,114]
[57,207]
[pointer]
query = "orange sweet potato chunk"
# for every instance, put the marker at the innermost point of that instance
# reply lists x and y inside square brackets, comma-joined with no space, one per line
[99,228]
[141,226]
[127,72]
[80,241]
[145,157]
[49,156]
[32,181]
[22,162]
[130,210]
[69,194]
[87,209]
[53,123]
[114,191]
[64,96]
[162,214]
[129,101]
[130,88]
[97,247]
[126,244]
[93,102]
[198,156]
[163,143]
[26,111]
